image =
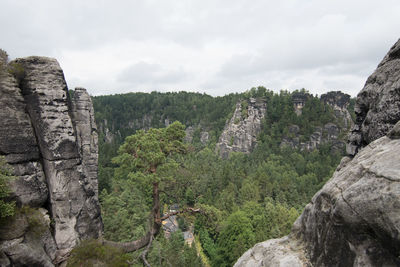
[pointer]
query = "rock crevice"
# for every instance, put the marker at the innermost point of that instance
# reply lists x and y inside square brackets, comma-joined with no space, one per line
[50,140]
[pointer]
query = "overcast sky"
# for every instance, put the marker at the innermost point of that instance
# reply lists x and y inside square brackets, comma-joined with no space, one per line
[211,46]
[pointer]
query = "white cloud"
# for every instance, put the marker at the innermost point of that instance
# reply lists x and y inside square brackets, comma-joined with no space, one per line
[211,46]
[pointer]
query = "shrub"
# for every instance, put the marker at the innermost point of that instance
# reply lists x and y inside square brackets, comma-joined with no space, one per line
[7,208]
[17,70]
[93,253]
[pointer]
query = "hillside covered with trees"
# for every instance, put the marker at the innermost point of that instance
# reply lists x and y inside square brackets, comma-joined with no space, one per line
[244,199]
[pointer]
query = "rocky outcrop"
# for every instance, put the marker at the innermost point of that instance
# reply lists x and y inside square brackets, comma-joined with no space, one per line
[354,220]
[51,142]
[299,100]
[333,132]
[378,104]
[240,133]
[339,102]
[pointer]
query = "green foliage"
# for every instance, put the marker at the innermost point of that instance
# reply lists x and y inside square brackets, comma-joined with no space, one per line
[244,199]
[236,237]
[124,114]
[93,253]
[37,224]
[17,70]
[7,208]
[124,211]
[244,106]
[173,252]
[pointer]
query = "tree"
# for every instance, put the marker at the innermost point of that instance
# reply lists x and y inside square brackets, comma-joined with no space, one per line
[236,237]
[6,207]
[147,156]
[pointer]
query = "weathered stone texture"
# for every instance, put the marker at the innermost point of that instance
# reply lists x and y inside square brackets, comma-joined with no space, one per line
[378,104]
[281,252]
[240,133]
[51,142]
[86,132]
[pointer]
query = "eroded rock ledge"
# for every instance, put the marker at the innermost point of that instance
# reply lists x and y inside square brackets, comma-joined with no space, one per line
[50,140]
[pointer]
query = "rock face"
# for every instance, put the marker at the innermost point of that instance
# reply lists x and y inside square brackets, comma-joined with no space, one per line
[51,142]
[378,104]
[240,133]
[354,220]
[339,102]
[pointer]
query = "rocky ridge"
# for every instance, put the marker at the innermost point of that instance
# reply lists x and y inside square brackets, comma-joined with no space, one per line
[50,140]
[240,132]
[354,219]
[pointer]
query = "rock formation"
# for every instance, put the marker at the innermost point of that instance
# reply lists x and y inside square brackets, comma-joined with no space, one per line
[378,104]
[240,133]
[51,142]
[332,132]
[339,103]
[354,220]
[299,99]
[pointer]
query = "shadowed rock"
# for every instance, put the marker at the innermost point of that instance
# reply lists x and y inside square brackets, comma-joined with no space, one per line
[51,143]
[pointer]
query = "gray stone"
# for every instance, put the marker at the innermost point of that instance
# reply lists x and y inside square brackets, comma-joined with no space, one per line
[29,187]
[4,260]
[378,104]
[189,131]
[14,228]
[23,254]
[281,252]
[86,132]
[204,137]
[240,133]
[51,142]
[45,93]
[15,124]
[394,133]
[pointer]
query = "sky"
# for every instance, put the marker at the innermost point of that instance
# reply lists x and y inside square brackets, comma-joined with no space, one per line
[209,46]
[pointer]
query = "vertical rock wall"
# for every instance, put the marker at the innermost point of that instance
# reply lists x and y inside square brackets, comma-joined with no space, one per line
[240,133]
[51,142]
[378,104]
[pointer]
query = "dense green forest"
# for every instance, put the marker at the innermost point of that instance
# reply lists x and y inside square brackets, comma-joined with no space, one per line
[244,199]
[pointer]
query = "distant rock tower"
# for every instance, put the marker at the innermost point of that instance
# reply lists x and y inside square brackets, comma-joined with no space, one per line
[299,100]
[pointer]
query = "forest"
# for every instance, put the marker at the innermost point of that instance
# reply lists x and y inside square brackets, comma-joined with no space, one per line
[243,200]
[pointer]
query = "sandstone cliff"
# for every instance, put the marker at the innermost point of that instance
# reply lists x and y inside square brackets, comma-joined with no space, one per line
[240,133]
[354,220]
[50,140]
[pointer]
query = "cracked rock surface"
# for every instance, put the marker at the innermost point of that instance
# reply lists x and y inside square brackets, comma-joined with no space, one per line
[50,140]
[378,104]
[240,133]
